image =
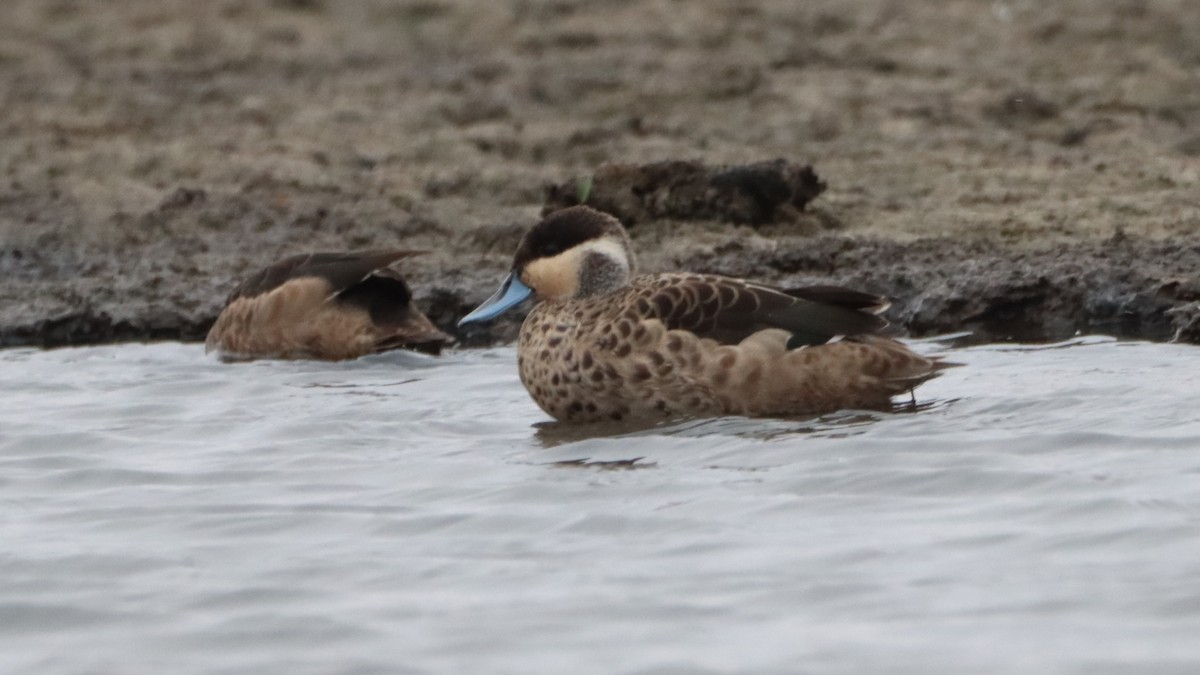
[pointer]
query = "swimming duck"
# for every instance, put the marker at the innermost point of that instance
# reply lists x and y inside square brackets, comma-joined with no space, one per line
[603,344]
[330,306]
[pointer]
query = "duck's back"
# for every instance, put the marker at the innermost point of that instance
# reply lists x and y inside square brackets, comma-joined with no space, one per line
[330,306]
[683,345]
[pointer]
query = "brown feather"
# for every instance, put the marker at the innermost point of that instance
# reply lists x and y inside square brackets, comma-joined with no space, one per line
[339,270]
[729,310]
[841,297]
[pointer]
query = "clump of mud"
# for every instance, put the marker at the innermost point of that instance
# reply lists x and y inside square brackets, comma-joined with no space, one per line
[756,194]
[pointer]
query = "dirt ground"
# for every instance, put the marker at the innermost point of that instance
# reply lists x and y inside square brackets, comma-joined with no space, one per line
[1019,168]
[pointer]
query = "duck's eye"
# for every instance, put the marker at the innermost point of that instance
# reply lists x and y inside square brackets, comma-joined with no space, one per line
[551,249]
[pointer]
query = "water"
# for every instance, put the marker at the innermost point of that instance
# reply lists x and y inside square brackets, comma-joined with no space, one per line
[164,513]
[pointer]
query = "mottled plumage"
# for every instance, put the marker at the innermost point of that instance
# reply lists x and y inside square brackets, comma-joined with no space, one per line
[330,306]
[603,345]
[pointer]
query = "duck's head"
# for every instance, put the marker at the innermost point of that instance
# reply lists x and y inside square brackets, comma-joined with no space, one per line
[577,252]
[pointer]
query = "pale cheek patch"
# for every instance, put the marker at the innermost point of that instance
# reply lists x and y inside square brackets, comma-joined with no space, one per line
[554,278]
[557,278]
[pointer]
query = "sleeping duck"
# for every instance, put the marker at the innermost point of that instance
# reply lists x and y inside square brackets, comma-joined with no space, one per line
[603,344]
[330,306]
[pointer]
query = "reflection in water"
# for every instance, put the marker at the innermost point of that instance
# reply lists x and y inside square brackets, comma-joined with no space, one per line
[842,424]
[552,433]
[610,465]
[352,385]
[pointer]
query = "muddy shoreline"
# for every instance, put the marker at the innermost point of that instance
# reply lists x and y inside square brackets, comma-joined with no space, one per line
[1123,286]
[1017,170]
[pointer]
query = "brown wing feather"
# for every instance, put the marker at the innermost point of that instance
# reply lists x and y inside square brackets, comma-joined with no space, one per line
[729,310]
[841,297]
[339,270]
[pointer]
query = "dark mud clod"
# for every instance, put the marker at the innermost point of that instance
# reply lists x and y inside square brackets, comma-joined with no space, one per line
[757,193]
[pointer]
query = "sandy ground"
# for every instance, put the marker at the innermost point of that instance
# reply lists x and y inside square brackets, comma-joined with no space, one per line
[1019,168]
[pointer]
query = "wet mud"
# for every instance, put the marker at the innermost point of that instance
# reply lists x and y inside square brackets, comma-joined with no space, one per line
[759,193]
[1022,170]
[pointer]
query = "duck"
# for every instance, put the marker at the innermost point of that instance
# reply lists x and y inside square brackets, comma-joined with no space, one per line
[605,344]
[329,306]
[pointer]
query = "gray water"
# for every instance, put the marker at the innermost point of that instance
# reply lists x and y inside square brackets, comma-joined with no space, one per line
[163,513]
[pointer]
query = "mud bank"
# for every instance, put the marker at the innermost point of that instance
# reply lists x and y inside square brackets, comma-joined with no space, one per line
[1017,168]
[1124,286]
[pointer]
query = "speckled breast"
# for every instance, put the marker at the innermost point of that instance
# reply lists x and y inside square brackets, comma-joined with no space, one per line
[550,360]
[588,361]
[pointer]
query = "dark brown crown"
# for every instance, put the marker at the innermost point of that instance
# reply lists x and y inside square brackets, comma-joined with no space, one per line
[562,230]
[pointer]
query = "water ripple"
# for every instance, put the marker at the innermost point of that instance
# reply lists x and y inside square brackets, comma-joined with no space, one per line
[163,512]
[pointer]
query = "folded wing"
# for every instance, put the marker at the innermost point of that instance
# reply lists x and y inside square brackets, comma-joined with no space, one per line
[729,310]
[339,270]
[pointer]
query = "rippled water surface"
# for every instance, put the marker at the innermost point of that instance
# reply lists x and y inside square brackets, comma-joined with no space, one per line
[164,513]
